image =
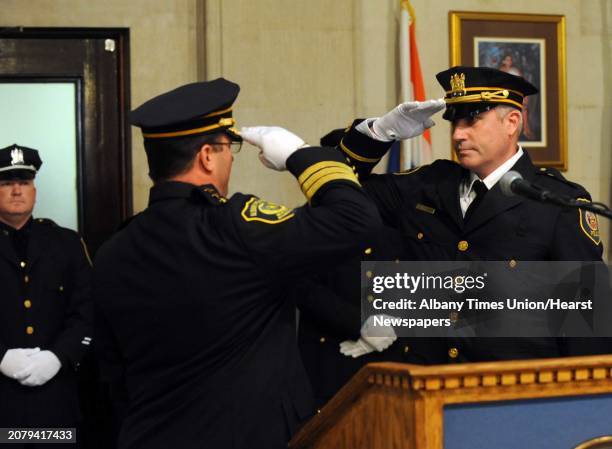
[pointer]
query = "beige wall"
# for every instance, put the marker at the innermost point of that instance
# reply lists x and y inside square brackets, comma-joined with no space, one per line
[313,65]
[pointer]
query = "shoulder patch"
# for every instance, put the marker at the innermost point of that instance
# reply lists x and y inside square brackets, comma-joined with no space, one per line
[265,212]
[589,224]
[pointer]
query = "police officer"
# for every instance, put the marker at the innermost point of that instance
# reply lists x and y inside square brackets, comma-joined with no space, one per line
[193,322]
[456,211]
[332,344]
[45,308]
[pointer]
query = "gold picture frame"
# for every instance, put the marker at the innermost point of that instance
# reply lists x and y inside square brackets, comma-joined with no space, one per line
[537,43]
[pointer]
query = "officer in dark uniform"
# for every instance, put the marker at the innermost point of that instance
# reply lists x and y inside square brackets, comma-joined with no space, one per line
[193,320]
[330,314]
[45,307]
[456,211]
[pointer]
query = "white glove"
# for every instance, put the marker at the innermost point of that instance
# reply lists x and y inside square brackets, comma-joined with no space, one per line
[407,120]
[276,144]
[16,360]
[43,366]
[373,338]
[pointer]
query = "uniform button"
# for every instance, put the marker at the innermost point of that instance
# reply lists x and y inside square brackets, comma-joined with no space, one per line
[61,288]
[406,349]
[542,168]
[318,410]
[420,236]
[322,340]
[512,263]
[368,251]
[29,330]
[463,245]
[5,232]
[22,264]
[397,261]
[26,279]
[454,316]
[370,298]
[369,274]
[453,353]
[27,304]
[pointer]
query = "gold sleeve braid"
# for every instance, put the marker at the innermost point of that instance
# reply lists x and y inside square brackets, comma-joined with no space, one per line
[319,174]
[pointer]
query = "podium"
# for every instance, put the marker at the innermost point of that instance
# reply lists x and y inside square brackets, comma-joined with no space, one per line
[560,403]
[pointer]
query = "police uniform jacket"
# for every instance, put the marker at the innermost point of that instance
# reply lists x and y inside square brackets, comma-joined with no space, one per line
[193,315]
[330,313]
[45,302]
[423,204]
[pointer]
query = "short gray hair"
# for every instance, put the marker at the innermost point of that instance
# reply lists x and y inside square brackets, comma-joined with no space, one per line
[502,111]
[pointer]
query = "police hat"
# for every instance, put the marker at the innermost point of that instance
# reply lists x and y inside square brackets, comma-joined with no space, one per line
[333,138]
[194,109]
[472,90]
[17,162]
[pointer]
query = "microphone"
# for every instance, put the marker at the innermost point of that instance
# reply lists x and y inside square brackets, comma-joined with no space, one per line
[512,183]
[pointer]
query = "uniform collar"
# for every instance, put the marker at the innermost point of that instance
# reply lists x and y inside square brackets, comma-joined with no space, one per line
[24,229]
[174,189]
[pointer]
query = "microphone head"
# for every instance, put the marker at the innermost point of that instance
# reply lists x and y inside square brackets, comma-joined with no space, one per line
[505,183]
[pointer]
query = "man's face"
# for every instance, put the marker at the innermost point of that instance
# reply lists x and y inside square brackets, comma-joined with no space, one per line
[482,143]
[17,198]
[223,166]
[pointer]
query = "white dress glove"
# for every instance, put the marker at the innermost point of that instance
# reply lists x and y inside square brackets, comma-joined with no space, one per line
[276,144]
[43,366]
[405,121]
[15,360]
[373,338]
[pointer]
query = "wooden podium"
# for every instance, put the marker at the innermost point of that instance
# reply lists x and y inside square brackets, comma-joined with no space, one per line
[393,405]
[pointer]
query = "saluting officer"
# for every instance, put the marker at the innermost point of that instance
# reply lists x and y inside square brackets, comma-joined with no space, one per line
[194,321]
[45,307]
[456,211]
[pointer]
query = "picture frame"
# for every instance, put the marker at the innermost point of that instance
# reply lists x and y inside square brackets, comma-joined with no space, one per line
[529,45]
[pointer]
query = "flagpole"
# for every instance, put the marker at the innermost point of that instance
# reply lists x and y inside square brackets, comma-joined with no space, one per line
[405,82]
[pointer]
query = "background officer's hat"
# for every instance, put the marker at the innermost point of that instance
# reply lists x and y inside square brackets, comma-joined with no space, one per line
[194,109]
[17,162]
[472,90]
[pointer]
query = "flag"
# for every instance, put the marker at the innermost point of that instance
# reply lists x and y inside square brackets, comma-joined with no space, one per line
[417,151]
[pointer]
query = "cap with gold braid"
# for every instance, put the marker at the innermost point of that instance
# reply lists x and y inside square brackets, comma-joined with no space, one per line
[194,109]
[472,90]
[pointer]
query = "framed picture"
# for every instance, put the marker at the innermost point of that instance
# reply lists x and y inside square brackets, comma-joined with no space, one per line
[531,46]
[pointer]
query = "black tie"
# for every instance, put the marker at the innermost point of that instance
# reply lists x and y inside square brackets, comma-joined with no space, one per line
[480,190]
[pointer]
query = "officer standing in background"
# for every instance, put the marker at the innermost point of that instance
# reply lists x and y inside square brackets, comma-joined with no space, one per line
[456,211]
[45,308]
[194,323]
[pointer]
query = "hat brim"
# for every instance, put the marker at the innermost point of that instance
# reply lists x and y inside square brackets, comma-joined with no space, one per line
[19,173]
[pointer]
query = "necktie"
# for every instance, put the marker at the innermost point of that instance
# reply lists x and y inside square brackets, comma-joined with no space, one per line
[480,190]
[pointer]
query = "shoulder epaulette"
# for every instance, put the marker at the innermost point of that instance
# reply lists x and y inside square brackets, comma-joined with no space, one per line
[45,221]
[556,174]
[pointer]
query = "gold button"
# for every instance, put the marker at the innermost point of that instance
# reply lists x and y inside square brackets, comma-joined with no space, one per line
[40,220]
[453,353]
[318,410]
[370,298]
[512,263]
[368,251]
[420,236]
[5,232]
[463,245]
[322,339]
[369,274]
[406,349]
[397,261]
[454,316]
[26,279]
[22,264]
[61,288]
[29,330]
[27,304]
[542,168]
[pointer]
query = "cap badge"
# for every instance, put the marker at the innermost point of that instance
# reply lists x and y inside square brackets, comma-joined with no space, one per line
[458,84]
[17,157]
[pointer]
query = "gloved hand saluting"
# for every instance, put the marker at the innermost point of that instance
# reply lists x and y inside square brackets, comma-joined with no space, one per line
[276,144]
[43,366]
[405,121]
[15,360]
[373,338]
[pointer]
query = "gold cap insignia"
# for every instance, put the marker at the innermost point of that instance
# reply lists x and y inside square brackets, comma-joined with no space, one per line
[458,84]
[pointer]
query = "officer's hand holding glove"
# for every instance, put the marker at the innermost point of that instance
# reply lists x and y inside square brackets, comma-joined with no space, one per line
[43,366]
[405,121]
[15,360]
[276,144]
[373,338]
